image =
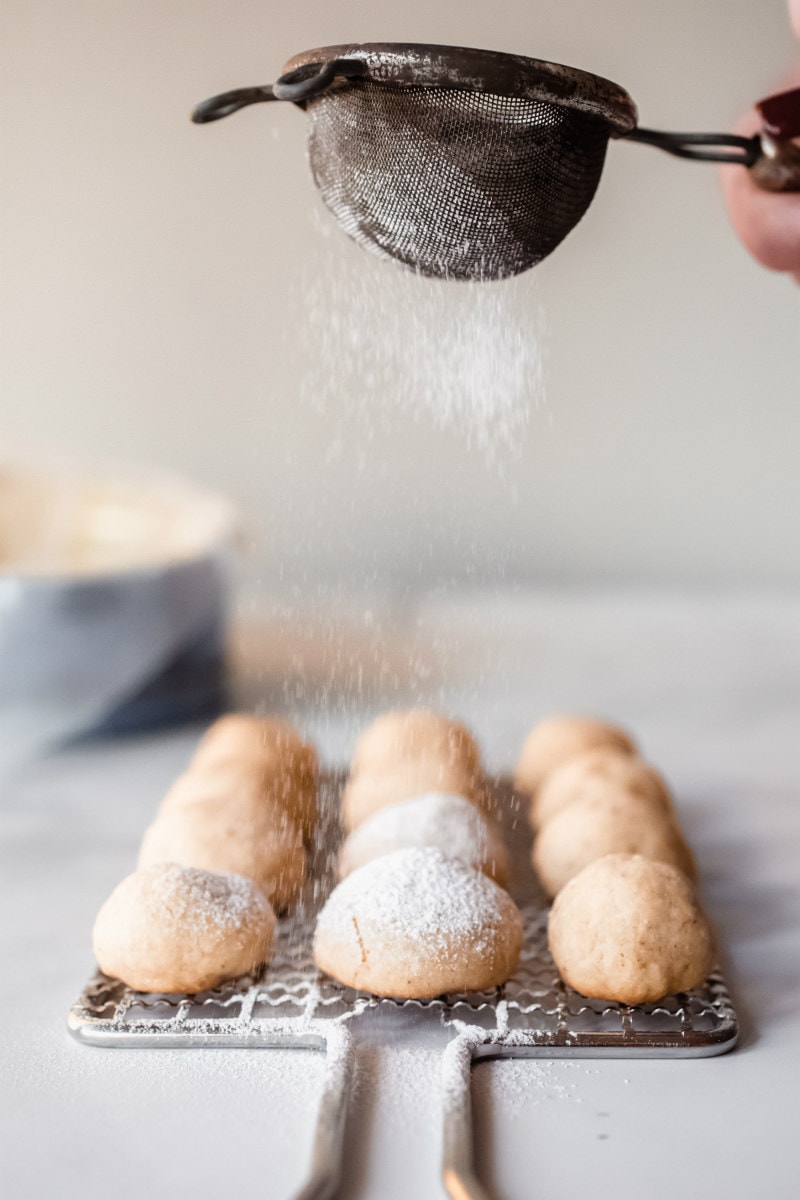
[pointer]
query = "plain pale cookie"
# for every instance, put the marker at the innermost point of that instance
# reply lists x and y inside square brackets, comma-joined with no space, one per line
[366,793]
[596,826]
[604,771]
[174,929]
[448,822]
[556,740]
[215,837]
[246,786]
[401,755]
[273,752]
[630,929]
[417,735]
[416,924]
[243,735]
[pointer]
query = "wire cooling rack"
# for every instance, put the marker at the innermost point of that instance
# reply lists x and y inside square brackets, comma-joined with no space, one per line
[291,1005]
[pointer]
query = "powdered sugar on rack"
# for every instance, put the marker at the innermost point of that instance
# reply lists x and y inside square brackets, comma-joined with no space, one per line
[291,1005]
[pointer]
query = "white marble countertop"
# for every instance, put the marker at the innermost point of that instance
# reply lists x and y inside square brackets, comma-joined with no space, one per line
[710,684]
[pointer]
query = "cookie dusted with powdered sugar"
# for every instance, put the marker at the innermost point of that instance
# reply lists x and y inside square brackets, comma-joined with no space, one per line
[449,823]
[176,929]
[415,924]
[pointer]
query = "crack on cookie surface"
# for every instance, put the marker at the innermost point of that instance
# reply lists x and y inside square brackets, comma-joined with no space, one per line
[360,941]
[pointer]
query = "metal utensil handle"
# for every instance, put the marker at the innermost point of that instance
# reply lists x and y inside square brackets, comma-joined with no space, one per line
[226,103]
[310,79]
[772,157]
[297,86]
[458,1167]
[327,1152]
[703,147]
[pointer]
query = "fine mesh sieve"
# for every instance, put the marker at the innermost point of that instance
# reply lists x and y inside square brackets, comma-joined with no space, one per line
[471,164]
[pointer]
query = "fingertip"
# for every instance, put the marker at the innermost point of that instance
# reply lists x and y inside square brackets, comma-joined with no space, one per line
[767,223]
[794,12]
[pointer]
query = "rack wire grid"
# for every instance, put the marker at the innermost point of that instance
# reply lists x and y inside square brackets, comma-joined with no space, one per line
[289,1004]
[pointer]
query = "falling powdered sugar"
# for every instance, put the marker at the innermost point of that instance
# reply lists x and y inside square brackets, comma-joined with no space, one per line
[465,357]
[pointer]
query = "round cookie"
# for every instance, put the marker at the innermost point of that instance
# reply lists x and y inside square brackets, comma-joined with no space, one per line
[249,785]
[415,735]
[273,751]
[596,826]
[240,787]
[556,740]
[213,836]
[367,793]
[176,929]
[449,822]
[416,924]
[245,736]
[631,930]
[603,771]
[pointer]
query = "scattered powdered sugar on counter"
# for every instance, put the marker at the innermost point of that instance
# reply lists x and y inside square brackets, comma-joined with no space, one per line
[512,1087]
[150,1111]
[466,357]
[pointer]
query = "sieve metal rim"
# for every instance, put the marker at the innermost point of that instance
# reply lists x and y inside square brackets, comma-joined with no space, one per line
[463,68]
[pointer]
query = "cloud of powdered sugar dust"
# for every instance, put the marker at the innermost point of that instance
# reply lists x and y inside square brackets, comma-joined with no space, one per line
[464,357]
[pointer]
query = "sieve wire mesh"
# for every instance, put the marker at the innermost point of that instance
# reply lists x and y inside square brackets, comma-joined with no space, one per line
[454,183]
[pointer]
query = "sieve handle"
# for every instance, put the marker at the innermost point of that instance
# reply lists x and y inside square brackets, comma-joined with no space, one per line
[226,103]
[774,165]
[297,86]
[772,156]
[309,80]
[703,147]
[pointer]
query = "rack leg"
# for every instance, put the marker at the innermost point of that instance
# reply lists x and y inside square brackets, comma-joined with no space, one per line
[458,1169]
[326,1159]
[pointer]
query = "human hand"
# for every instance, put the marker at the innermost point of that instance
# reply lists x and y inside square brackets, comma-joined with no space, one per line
[768,223]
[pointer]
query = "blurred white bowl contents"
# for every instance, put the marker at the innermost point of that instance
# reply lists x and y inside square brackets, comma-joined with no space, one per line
[112,601]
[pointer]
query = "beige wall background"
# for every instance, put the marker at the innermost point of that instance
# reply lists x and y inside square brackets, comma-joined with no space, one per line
[166,293]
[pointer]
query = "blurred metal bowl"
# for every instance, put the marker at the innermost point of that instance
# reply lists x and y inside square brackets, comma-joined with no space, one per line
[112,602]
